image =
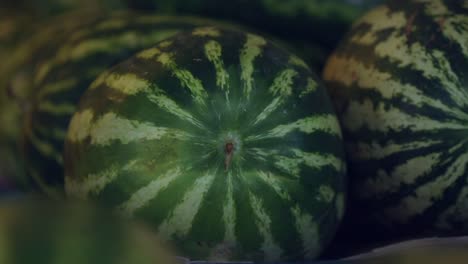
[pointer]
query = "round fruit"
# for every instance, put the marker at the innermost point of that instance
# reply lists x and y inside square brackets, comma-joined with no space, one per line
[64,74]
[399,82]
[39,232]
[225,143]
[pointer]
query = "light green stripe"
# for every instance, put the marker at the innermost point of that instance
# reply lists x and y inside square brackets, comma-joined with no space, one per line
[292,164]
[274,182]
[46,149]
[89,47]
[314,160]
[309,231]
[42,71]
[206,32]
[186,78]
[111,127]
[306,227]
[94,183]
[115,43]
[311,87]
[127,83]
[251,50]
[281,89]
[426,195]
[101,78]
[270,248]
[340,205]
[432,64]
[213,52]
[180,219]
[406,173]
[376,151]
[457,210]
[325,194]
[144,195]
[165,43]
[56,133]
[365,114]
[352,71]
[80,125]
[149,53]
[229,212]
[455,28]
[294,60]
[378,19]
[56,109]
[325,122]
[111,24]
[170,106]
[56,87]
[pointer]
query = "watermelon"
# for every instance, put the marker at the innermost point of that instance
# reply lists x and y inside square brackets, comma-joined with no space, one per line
[63,76]
[36,231]
[225,143]
[399,83]
[313,27]
[13,28]
[23,51]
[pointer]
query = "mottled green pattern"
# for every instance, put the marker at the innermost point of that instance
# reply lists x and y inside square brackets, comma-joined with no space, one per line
[155,148]
[399,82]
[64,73]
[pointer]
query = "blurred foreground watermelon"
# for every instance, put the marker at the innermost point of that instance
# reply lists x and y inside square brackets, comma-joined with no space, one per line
[41,232]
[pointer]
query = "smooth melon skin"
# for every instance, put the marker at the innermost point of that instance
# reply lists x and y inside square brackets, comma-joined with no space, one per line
[399,81]
[226,144]
[62,75]
[36,231]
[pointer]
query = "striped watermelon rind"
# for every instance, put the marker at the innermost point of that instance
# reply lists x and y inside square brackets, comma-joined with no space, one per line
[35,43]
[223,142]
[313,27]
[57,86]
[399,83]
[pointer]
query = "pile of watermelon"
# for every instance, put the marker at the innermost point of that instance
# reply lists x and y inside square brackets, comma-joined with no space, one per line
[259,131]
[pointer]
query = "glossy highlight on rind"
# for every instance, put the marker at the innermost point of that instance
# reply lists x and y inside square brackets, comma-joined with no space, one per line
[399,83]
[162,158]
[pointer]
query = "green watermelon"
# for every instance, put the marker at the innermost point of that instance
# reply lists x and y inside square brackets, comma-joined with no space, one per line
[63,76]
[42,232]
[225,143]
[23,51]
[14,27]
[399,81]
[313,27]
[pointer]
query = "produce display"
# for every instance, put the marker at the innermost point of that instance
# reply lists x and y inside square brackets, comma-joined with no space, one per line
[263,131]
[194,136]
[399,81]
[41,232]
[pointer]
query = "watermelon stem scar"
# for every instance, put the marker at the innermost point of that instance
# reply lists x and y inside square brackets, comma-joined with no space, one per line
[229,147]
